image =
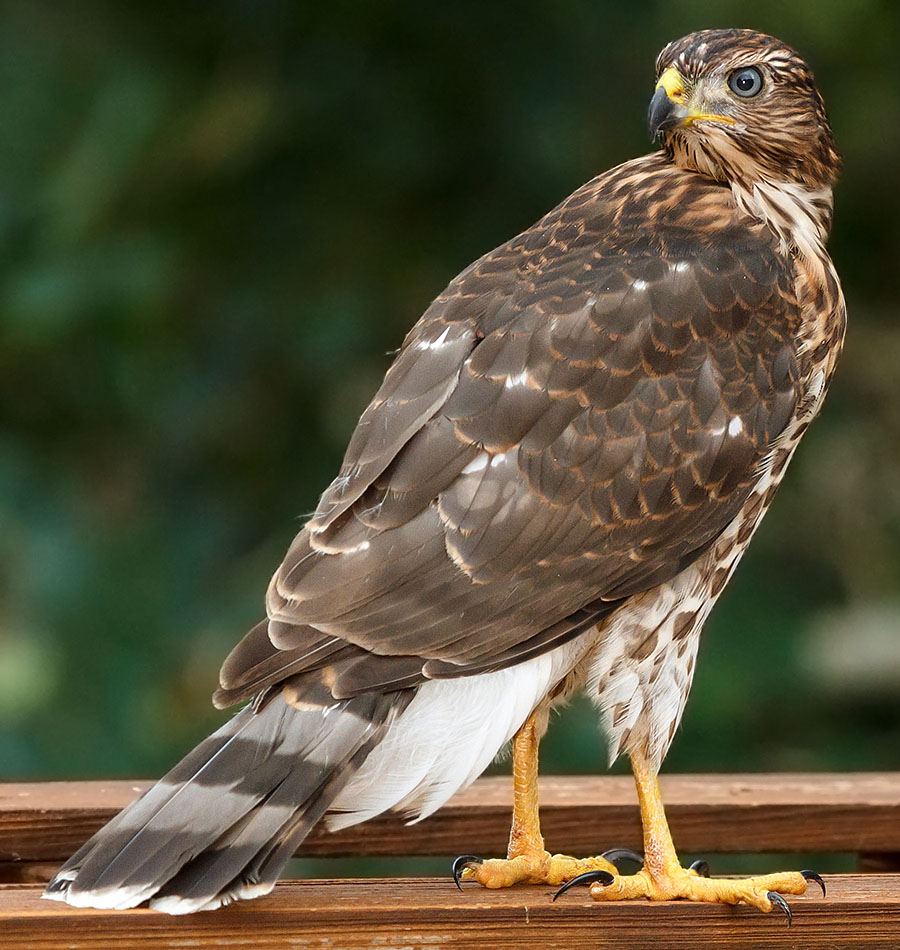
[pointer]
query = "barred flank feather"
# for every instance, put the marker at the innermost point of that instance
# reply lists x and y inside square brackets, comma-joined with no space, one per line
[223,822]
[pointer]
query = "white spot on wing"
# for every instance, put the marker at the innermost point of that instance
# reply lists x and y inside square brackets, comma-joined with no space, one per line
[640,284]
[521,379]
[736,426]
[434,344]
[478,464]
[482,460]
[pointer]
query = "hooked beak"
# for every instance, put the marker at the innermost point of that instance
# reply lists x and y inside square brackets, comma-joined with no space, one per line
[665,113]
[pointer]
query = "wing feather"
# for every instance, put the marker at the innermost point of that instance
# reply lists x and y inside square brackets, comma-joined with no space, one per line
[575,419]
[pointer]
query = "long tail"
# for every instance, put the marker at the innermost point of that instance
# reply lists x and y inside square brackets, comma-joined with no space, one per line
[224,821]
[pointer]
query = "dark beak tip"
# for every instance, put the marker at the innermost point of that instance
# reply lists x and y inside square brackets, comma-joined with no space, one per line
[665,113]
[660,111]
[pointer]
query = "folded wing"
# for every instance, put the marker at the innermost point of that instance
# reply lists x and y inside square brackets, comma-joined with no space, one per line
[568,424]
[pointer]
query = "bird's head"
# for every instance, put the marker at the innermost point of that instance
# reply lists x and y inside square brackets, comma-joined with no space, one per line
[742,107]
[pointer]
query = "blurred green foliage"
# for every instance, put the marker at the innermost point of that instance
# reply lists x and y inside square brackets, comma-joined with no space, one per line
[215,221]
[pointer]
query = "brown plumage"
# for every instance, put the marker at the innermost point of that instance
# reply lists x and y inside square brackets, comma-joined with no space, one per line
[558,474]
[564,446]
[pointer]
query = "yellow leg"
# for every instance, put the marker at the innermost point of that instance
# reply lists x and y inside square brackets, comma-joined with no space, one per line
[526,859]
[663,878]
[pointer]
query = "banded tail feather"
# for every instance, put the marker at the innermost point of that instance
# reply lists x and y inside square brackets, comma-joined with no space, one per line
[224,821]
[221,825]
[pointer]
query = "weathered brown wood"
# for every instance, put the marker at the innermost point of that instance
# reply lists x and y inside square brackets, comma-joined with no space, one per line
[861,911]
[27,872]
[47,821]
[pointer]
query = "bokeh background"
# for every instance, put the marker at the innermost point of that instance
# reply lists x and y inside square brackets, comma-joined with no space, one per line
[216,219]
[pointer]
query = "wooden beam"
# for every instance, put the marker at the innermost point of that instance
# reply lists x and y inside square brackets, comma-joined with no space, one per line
[861,911]
[47,821]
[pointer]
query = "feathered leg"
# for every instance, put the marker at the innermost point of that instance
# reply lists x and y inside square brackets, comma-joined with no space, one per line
[527,861]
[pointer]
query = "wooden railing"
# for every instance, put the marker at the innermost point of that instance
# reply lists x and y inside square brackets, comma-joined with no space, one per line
[42,823]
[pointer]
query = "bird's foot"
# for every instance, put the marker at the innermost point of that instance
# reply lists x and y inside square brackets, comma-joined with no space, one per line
[534,866]
[671,882]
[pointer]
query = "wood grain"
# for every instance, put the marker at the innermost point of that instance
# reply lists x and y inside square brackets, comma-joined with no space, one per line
[861,911]
[47,821]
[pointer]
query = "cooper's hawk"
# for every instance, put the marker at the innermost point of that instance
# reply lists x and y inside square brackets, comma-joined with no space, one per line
[551,488]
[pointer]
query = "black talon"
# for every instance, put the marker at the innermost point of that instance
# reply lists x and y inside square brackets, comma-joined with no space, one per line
[781,904]
[614,855]
[701,867]
[604,877]
[812,876]
[461,863]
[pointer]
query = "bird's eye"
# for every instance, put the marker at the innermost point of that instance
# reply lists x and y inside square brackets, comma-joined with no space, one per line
[746,82]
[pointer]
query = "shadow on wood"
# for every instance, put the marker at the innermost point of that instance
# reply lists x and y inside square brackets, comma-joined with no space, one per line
[861,911]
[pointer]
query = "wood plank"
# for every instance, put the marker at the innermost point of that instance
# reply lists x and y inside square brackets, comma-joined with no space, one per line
[861,911]
[47,821]
[34,872]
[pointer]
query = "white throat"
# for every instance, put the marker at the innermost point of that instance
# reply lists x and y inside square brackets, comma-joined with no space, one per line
[799,216]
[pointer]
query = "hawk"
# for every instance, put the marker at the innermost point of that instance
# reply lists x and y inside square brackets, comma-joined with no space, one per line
[551,488]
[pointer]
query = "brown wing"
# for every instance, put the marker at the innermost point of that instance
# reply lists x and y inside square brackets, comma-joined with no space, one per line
[574,420]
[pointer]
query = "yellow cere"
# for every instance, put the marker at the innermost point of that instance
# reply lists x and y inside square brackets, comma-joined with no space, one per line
[671,81]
